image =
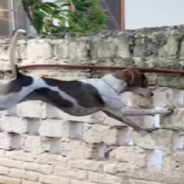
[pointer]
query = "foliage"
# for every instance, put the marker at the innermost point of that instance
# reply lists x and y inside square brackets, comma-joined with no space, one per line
[82,16]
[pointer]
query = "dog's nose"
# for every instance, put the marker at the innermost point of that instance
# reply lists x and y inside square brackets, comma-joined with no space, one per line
[152,94]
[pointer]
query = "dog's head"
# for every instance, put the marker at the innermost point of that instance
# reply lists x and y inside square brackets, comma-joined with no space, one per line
[136,82]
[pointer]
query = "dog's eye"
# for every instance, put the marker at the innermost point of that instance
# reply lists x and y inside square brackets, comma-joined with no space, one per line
[145,84]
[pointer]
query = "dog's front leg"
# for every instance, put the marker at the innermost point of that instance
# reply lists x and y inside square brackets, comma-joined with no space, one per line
[118,115]
[147,112]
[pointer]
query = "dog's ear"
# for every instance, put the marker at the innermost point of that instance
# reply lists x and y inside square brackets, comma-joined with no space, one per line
[13,32]
[132,76]
[144,81]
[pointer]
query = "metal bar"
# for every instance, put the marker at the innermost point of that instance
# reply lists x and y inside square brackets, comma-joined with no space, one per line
[12,15]
[84,67]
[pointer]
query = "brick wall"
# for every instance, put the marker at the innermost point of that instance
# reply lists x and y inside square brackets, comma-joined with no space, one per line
[42,145]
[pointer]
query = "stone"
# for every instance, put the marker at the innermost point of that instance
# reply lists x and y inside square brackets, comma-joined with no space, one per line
[41,168]
[23,174]
[14,124]
[98,49]
[100,133]
[83,164]
[104,178]
[173,161]
[117,167]
[53,179]
[133,155]
[4,170]
[10,141]
[77,149]
[52,128]
[20,156]
[174,121]
[41,49]
[166,96]
[8,180]
[51,159]
[35,144]
[11,163]
[160,139]
[80,182]
[31,109]
[71,173]
[29,182]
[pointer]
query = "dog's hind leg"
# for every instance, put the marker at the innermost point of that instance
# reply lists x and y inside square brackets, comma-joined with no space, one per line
[18,89]
[11,99]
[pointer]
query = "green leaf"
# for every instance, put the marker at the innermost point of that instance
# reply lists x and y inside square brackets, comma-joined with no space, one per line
[83,16]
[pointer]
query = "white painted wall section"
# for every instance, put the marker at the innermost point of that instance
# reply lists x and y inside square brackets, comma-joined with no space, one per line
[153,13]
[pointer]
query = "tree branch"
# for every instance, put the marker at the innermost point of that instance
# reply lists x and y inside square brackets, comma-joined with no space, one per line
[31,19]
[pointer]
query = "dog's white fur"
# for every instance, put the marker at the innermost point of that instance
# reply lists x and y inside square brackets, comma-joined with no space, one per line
[81,97]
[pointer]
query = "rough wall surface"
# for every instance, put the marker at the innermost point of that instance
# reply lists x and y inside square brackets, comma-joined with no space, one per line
[41,145]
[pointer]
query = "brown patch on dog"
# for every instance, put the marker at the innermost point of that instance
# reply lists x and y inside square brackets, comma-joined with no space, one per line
[13,32]
[133,77]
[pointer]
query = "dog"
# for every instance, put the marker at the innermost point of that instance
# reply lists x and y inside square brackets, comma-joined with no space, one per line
[79,97]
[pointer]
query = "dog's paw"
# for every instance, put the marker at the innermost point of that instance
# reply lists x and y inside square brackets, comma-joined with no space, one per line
[170,109]
[140,129]
[149,130]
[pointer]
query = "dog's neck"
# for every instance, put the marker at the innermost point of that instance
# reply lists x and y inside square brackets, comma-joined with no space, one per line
[118,85]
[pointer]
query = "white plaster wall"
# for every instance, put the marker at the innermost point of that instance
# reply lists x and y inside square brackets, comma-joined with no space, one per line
[151,13]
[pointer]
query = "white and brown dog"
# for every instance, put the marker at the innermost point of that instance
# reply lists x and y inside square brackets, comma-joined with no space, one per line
[79,97]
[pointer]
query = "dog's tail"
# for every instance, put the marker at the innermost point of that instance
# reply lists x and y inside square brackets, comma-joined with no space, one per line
[12,53]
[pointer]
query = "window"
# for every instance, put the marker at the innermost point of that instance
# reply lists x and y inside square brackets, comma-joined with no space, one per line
[115,12]
[153,13]
[12,16]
